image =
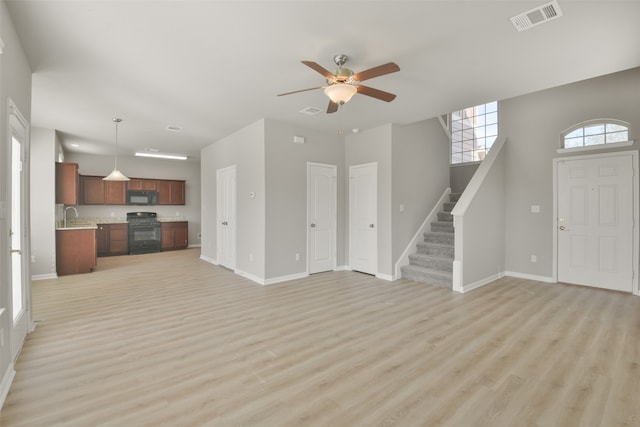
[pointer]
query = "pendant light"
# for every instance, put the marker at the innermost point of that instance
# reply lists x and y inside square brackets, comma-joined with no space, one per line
[116,175]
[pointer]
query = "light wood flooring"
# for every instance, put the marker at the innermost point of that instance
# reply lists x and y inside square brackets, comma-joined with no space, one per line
[170,340]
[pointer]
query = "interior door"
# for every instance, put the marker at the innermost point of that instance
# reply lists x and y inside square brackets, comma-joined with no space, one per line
[363,217]
[226,216]
[595,222]
[18,239]
[321,209]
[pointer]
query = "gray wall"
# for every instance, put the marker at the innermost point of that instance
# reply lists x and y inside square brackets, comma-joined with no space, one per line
[43,211]
[533,124]
[286,198]
[15,83]
[420,174]
[460,175]
[245,149]
[374,145]
[136,167]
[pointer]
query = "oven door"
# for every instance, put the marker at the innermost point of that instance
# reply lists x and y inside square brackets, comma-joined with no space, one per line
[144,238]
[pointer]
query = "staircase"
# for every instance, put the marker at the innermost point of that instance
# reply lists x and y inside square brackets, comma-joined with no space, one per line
[433,263]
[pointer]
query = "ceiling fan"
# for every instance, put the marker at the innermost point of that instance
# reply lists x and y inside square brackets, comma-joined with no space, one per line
[343,83]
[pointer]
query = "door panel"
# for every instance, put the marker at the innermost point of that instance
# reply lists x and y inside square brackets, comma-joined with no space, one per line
[321,208]
[363,205]
[595,222]
[226,216]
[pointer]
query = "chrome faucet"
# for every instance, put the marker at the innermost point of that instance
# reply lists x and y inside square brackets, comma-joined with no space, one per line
[65,214]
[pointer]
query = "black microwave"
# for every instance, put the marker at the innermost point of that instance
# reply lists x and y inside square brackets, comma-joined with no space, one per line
[142,197]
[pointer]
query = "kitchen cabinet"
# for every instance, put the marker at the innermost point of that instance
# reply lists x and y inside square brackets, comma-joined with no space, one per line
[67,183]
[175,235]
[75,251]
[112,239]
[141,184]
[170,192]
[96,191]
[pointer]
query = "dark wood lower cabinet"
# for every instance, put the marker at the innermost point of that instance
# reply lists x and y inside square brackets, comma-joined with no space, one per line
[112,239]
[175,235]
[75,251]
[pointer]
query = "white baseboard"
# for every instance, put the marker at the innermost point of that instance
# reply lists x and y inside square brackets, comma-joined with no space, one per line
[387,277]
[537,278]
[253,278]
[209,260]
[9,375]
[342,268]
[481,282]
[44,276]
[280,279]
[195,245]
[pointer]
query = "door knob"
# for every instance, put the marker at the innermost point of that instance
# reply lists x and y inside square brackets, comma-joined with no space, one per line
[313,225]
[371,225]
[562,228]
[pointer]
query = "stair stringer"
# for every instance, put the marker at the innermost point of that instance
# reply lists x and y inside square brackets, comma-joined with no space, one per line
[419,236]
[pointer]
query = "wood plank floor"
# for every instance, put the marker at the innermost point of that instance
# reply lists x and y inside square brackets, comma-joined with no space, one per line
[169,340]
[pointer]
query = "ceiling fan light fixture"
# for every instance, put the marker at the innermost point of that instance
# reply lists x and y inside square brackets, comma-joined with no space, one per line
[340,93]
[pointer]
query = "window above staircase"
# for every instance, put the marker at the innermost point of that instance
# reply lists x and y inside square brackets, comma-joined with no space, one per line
[473,131]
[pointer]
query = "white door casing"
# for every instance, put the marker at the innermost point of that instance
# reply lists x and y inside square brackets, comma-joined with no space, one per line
[321,217]
[363,218]
[18,135]
[226,216]
[595,221]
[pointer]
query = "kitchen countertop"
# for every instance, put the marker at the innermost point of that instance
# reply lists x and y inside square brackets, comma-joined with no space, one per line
[76,227]
[79,223]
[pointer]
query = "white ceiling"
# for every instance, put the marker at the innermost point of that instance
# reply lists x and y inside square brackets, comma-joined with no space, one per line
[214,67]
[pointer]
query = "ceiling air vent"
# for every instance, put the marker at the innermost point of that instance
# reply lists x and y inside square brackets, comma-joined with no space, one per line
[311,111]
[537,16]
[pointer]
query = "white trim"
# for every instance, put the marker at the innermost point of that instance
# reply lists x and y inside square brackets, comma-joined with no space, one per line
[387,277]
[342,268]
[545,279]
[44,276]
[1,52]
[9,375]
[635,261]
[596,147]
[195,245]
[209,260]
[411,246]
[482,282]
[287,278]
[250,276]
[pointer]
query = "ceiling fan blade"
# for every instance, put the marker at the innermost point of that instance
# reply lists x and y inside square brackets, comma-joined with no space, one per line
[301,90]
[319,68]
[376,93]
[332,108]
[380,70]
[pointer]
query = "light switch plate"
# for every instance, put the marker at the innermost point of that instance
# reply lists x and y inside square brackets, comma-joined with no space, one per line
[535,208]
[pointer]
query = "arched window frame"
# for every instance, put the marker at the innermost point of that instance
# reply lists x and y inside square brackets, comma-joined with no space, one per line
[614,133]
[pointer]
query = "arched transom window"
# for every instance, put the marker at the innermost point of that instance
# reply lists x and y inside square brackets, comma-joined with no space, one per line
[595,132]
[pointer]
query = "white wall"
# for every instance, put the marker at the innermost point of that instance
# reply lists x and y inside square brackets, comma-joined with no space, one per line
[137,167]
[286,194]
[533,123]
[420,174]
[245,149]
[43,214]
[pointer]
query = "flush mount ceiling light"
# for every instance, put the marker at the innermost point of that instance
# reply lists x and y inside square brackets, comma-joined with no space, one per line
[159,155]
[116,175]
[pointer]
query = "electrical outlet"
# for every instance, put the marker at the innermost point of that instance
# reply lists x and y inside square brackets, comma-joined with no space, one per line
[534,258]
[297,257]
[251,257]
[33,258]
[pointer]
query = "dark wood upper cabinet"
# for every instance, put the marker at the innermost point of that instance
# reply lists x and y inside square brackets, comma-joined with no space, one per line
[170,192]
[67,183]
[96,191]
[141,184]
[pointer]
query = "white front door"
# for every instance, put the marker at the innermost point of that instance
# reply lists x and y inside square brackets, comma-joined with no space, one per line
[226,216]
[321,209]
[363,217]
[20,289]
[595,221]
